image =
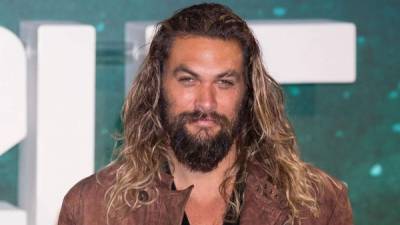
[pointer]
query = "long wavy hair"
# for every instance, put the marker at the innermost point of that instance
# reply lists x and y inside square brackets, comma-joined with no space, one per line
[266,136]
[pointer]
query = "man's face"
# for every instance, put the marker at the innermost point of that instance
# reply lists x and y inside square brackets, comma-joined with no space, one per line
[202,93]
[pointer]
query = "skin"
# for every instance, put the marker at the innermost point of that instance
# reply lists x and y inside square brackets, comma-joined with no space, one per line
[206,74]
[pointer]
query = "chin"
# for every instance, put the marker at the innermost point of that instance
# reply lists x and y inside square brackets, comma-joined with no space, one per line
[204,133]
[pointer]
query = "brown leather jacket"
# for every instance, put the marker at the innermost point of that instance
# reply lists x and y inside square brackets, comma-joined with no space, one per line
[84,204]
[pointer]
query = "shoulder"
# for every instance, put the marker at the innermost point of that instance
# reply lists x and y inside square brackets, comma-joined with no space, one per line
[329,193]
[94,183]
[329,186]
[86,195]
[332,196]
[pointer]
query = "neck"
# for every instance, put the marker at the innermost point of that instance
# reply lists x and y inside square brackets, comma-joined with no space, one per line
[206,205]
[205,184]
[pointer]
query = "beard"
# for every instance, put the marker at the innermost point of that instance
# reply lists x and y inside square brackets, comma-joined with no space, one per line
[201,151]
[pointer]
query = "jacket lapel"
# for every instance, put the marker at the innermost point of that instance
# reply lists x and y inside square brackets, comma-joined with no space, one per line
[263,203]
[169,207]
[173,206]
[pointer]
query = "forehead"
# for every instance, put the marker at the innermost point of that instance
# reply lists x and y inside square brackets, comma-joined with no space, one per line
[205,54]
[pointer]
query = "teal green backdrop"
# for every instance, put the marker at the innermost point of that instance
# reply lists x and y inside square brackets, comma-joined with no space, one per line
[352,131]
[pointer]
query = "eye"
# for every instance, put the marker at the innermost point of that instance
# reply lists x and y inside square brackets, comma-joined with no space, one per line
[224,83]
[187,81]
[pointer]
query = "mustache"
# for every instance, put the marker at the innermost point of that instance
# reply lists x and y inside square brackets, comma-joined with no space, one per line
[197,115]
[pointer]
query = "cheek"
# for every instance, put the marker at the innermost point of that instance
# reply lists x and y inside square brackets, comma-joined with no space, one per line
[184,98]
[230,104]
[178,101]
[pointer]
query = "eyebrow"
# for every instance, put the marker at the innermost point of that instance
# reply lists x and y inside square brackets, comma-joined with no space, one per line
[185,69]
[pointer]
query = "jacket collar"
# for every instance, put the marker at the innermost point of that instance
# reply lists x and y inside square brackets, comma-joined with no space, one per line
[262,203]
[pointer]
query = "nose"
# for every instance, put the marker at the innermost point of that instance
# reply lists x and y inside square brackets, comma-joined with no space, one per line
[206,98]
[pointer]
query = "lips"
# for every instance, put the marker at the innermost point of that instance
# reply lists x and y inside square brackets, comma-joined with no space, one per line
[205,122]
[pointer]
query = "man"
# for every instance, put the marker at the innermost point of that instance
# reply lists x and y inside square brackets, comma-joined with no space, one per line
[206,139]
